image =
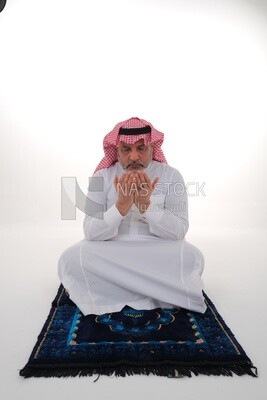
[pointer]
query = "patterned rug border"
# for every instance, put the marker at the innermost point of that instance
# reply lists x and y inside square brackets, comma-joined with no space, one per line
[168,368]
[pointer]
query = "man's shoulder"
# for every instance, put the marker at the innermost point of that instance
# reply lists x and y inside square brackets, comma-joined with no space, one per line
[107,172]
[165,168]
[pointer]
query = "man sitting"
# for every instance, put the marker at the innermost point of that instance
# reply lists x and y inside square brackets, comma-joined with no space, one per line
[134,253]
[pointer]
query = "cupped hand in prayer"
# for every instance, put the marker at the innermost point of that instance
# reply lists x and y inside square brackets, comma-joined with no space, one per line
[125,191]
[133,188]
[145,188]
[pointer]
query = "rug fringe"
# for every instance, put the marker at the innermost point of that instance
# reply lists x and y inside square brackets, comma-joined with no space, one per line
[126,370]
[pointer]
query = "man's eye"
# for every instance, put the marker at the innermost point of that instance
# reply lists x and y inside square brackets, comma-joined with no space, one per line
[125,149]
[141,148]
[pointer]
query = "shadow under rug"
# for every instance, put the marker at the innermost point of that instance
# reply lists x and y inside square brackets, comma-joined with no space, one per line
[166,342]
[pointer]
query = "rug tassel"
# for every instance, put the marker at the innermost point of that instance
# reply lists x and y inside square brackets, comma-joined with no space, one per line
[127,370]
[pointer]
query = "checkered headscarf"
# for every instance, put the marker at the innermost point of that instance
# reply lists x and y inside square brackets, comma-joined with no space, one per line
[119,134]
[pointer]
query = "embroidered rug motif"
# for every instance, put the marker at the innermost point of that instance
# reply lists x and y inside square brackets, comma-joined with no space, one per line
[166,342]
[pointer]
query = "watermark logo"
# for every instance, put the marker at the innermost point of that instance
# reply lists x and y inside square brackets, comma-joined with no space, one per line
[72,196]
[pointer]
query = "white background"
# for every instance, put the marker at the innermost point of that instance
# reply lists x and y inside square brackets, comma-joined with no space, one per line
[69,71]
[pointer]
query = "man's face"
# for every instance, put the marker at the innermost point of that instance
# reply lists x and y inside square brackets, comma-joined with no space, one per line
[134,156]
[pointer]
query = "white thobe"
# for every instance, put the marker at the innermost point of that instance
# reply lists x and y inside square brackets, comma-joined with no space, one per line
[139,260]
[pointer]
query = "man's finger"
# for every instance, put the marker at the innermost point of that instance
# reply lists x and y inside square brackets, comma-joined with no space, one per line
[128,178]
[115,181]
[136,179]
[155,181]
[141,176]
[122,178]
[146,178]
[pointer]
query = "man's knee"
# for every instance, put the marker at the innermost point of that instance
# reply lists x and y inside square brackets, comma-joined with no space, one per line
[193,256]
[69,261]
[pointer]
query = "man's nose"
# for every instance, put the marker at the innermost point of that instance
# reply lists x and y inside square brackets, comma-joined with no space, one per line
[134,156]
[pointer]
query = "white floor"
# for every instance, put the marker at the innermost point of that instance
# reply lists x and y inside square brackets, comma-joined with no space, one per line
[235,279]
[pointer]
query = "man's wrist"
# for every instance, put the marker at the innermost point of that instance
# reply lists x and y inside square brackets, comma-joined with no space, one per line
[142,207]
[122,208]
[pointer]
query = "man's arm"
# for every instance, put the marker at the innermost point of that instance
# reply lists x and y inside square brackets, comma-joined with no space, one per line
[104,226]
[101,225]
[125,194]
[169,221]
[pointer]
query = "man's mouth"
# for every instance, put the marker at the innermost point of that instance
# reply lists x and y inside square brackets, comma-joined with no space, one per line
[135,166]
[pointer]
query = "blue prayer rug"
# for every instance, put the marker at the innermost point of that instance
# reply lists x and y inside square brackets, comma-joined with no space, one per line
[166,342]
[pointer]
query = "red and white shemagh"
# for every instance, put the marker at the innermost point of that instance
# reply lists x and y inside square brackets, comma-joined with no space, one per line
[112,140]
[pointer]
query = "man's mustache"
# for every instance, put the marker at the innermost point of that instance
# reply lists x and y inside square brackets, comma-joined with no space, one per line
[134,164]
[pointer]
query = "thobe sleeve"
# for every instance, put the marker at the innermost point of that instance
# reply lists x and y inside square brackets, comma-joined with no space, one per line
[100,223]
[169,220]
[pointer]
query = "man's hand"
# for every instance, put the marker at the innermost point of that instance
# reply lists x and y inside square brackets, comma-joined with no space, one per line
[144,190]
[125,188]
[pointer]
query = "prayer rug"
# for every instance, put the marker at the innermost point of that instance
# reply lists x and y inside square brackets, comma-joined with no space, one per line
[166,342]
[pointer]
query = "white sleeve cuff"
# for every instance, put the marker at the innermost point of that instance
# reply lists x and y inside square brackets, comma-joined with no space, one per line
[113,217]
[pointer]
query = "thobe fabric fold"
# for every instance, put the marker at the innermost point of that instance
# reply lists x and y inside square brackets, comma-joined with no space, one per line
[140,260]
